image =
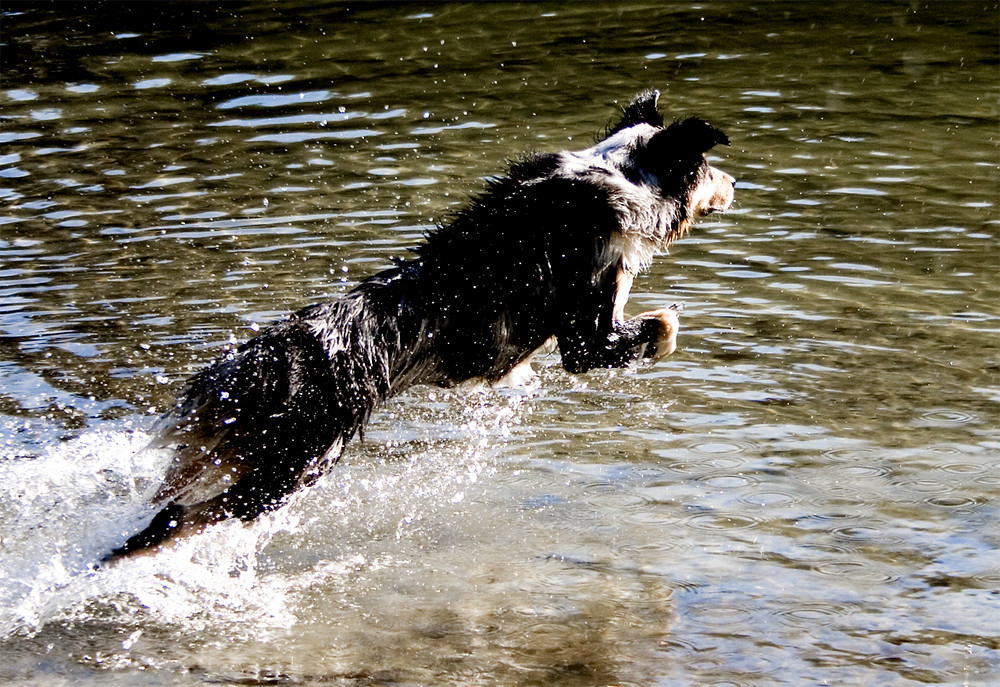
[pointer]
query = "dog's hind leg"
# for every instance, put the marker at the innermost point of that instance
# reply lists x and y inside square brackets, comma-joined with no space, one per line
[246,431]
[164,525]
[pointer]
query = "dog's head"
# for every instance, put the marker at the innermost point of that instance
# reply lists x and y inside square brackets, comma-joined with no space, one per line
[668,161]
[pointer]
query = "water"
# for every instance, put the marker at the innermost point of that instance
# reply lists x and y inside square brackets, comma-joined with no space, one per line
[805,493]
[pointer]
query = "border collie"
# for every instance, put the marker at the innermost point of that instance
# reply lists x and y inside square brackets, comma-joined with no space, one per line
[548,251]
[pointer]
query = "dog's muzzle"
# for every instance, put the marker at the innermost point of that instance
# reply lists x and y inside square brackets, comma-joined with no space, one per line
[718,192]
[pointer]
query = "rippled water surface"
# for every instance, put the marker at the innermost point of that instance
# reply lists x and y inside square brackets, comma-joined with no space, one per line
[805,493]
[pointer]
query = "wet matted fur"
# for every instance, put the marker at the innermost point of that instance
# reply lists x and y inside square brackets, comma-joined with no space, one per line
[548,250]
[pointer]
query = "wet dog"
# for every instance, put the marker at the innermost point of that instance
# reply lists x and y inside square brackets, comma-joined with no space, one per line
[547,251]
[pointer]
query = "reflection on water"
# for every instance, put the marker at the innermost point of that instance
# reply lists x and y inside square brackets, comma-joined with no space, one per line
[806,492]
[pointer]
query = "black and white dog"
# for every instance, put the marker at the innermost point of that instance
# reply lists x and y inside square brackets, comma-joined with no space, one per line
[547,251]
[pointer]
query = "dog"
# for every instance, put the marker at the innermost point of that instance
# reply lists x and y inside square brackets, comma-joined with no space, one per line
[547,251]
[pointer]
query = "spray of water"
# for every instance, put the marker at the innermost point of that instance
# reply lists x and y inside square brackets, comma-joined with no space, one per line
[63,509]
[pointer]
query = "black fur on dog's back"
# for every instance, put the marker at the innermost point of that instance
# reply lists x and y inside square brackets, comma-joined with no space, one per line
[548,250]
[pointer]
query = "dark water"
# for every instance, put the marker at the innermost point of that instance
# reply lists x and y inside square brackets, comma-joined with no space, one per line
[805,493]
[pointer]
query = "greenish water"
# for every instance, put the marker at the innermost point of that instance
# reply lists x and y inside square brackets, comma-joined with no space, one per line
[805,493]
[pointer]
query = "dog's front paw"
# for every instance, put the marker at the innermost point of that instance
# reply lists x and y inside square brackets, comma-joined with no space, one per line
[668,324]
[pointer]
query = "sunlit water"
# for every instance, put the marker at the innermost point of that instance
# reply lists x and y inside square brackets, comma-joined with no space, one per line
[805,493]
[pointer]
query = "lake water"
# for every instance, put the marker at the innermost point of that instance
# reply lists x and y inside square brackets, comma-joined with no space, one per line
[807,492]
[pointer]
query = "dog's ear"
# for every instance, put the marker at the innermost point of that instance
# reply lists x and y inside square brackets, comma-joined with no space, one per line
[687,138]
[641,110]
[671,154]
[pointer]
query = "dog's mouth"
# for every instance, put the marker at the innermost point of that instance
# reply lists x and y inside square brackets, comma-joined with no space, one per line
[717,206]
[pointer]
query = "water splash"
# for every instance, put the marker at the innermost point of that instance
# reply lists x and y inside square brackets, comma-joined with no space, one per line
[63,509]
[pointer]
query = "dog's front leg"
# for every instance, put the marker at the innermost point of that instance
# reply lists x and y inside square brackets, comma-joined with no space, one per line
[667,324]
[623,285]
[605,338]
[650,335]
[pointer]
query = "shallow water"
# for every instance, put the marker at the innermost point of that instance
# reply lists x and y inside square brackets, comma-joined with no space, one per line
[805,493]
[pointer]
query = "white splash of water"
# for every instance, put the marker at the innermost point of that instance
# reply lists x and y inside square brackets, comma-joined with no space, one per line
[62,510]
